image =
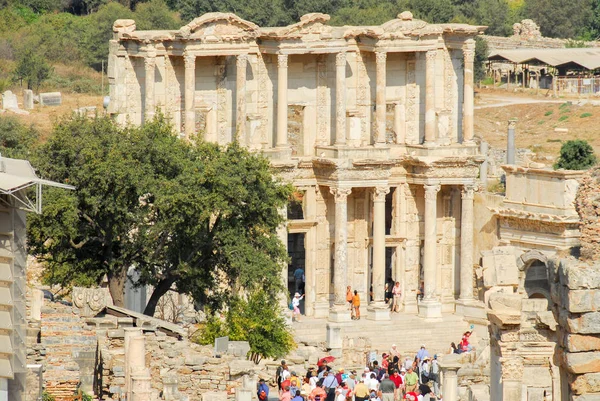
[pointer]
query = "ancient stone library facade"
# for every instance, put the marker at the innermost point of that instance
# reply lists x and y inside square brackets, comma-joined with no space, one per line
[372,124]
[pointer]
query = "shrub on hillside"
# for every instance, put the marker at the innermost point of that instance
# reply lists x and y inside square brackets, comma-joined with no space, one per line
[576,155]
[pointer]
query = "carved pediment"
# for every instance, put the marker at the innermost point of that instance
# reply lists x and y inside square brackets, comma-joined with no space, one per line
[219,26]
[310,23]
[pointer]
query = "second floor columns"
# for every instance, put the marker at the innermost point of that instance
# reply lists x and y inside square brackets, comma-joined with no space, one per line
[380,106]
[282,102]
[241,64]
[340,99]
[430,118]
[189,93]
[468,105]
[149,67]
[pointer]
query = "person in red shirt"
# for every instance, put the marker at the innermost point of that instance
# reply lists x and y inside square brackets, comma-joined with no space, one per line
[411,396]
[397,379]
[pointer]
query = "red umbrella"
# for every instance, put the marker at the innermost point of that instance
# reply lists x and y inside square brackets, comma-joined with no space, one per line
[324,360]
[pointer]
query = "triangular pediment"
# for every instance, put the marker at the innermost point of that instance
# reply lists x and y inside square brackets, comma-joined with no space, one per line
[310,23]
[220,25]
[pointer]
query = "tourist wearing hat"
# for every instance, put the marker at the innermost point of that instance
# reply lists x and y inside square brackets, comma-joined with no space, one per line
[361,391]
[424,369]
[434,375]
[296,305]
[422,353]
[411,379]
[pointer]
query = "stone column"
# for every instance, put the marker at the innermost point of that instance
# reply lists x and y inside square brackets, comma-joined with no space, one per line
[241,64]
[510,144]
[512,378]
[483,167]
[282,103]
[468,105]
[189,93]
[380,107]
[450,383]
[466,243]
[149,67]
[400,123]
[340,311]
[430,306]
[430,120]
[132,354]
[282,234]
[142,387]
[378,310]
[340,99]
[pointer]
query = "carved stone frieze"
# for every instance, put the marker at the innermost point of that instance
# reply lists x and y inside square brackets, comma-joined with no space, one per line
[512,368]
[282,61]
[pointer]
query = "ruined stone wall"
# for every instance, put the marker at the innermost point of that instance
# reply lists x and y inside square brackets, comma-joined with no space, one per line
[577,296]
[588,208]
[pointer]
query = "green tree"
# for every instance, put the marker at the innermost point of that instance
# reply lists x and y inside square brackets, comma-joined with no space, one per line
[214,234]
[155,14]
[554,19]
[85,234]
[98,32]
[202,218]
[16,139]
[432,11]
[255,320]
[32,68]
[366,12]
[481,55]
[576,155]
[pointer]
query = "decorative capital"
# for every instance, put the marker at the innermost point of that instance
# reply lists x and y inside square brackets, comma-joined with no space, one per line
[340,59]
[380,57]
[431,55]
[189,59]
[512,369]
[468,191]
[512,123]
[242,60]
[340,194]
[431,191]
[282,60]
[379,193]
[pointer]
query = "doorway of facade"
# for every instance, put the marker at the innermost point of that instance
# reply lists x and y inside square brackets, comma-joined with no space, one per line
[296,268]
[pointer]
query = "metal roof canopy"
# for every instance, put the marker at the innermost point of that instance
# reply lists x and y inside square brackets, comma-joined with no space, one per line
[588,58]
[16,176]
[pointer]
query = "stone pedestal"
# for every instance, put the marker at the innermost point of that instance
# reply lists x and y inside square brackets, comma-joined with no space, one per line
[430,309]
[334,337]
[339,313]
[378,311]
[450,383]
[242,394]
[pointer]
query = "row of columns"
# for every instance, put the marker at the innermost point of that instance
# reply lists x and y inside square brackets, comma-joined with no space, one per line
[340,125]
[431,306]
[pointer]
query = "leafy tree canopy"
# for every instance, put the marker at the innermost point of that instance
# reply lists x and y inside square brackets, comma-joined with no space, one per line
[576,155]
[198,217]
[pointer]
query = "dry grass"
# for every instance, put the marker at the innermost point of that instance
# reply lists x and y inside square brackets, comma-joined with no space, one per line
[536,126]
[43,118]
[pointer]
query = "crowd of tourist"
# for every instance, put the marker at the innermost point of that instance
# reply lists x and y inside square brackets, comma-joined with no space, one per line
[395,379]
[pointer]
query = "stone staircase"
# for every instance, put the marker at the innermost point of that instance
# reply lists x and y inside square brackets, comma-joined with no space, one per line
[407,331]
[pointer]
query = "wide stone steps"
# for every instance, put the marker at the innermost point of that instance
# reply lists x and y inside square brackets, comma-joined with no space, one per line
[407,331]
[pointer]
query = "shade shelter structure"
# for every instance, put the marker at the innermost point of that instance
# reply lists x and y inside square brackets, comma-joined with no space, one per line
[569,70]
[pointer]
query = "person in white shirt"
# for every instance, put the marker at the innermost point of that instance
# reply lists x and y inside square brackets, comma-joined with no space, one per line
[313,381]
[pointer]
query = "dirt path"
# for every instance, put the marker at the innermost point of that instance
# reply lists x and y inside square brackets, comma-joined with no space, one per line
[486,101]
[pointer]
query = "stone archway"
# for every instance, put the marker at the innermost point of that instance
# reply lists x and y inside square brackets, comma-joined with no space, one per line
[534,277]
